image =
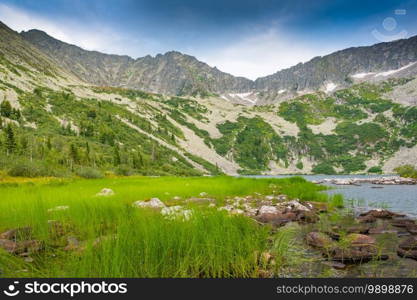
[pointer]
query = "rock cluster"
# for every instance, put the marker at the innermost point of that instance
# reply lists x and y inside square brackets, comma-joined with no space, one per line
[169,212]
[389,180]
[357,244]
[276,210]
[18,241]
[394,219]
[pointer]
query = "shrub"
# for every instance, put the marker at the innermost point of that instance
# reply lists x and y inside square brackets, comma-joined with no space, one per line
[323,168]
[375,169]
[27,168]
[124,170]
[300,165]
[88,172]
[406,171]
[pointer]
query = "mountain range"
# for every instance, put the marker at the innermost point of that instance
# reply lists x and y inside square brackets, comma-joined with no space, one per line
[65,110]
[175,73]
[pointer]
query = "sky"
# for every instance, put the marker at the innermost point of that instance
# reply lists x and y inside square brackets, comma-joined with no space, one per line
[245,38]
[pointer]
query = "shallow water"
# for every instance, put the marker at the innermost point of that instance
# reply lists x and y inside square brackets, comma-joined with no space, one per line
[398,198]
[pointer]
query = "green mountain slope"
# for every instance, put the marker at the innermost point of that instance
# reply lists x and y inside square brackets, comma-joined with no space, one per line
[54,124]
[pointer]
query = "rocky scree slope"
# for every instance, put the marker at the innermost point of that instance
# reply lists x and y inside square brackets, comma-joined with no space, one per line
[172,73]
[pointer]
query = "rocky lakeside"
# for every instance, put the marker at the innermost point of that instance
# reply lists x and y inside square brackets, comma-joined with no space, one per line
[331,237]
[389,180]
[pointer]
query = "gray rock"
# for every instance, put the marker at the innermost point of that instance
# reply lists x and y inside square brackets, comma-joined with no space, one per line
[152,203]
[105,192]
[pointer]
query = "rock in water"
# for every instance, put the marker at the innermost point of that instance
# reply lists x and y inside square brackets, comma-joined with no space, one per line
[407,253]
[381,214]
[409,244]
[319,240]
[361,248]
[105,192]
[408,248]
[357,239]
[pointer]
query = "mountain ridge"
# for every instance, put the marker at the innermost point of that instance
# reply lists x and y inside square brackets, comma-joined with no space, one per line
[176,73]
[169,73]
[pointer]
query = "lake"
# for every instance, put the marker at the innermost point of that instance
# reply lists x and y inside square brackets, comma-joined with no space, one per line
[398,198]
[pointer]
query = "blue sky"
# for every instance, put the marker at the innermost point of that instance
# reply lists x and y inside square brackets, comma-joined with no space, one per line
[246,38]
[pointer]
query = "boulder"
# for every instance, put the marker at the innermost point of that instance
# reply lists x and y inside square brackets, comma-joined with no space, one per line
[293,205]
[356,239]
[407,253]
[307,217]
[409,244]
[382,230]
[354,255]
[402,222]
[381,214]
[17,233]
[319,240]
[30,246]
[366,219]
[412,228]
[152,203]
[360,248]
[276,219]
[72,244]
[8,245]
[105,192]
[267,209]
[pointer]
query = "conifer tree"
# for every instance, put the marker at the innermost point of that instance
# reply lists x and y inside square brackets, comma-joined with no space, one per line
[5,109]
[10,140]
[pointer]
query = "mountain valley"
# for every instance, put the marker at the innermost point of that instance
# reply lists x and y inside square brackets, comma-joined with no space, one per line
[65,110]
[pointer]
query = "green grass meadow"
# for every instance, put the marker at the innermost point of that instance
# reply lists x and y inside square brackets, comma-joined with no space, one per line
[118,240]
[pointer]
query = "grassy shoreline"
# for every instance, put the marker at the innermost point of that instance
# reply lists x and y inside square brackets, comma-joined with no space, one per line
[110,238]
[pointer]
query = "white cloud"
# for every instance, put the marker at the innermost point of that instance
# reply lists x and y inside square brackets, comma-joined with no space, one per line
[262,54]
[88,36]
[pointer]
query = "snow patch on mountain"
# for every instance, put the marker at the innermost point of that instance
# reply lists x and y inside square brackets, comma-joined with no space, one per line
[390,72]
[362,75]
[330,87]
[241,97]
[381,74]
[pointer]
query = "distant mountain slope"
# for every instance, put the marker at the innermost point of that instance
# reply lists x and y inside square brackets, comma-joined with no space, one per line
[172,73]
[175,73]
[16,53]
[55,124]
[336,69]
